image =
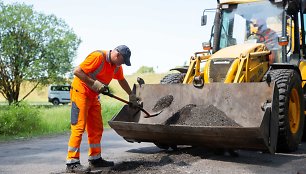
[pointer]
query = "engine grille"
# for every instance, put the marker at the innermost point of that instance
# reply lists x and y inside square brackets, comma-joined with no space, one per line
[218,69]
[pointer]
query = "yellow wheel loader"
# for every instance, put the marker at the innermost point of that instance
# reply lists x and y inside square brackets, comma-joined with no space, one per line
[244,91]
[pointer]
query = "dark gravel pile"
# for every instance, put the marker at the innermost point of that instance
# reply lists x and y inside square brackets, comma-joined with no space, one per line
[180,115]
[200,116]
[163,103]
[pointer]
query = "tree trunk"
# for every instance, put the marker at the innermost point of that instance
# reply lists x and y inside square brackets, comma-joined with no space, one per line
[12,92]
[30,91]
[10,98]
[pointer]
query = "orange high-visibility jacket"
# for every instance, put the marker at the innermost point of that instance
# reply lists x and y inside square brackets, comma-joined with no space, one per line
[98,66]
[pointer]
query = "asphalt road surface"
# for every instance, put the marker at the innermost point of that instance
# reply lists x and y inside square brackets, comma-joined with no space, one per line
[47,155]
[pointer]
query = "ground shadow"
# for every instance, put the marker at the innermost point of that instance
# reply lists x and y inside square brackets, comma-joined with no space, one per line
[239,156]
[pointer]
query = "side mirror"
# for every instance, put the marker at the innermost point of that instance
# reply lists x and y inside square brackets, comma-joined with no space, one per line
[283,40]
[206,46]
[203,20]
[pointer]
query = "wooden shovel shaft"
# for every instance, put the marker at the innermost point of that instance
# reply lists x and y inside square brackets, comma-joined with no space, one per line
[124,101]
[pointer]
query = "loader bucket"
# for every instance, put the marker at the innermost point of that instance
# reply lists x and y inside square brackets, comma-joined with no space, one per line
[233,116]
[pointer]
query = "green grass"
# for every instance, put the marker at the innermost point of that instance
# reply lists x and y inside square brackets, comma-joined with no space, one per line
[21,120]
[48,120]
[110,107]
[55,119]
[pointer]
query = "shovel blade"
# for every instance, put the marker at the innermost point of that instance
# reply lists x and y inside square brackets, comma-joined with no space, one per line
[153,114]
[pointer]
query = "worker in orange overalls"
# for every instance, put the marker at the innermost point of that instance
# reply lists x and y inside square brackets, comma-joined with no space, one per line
[92,78]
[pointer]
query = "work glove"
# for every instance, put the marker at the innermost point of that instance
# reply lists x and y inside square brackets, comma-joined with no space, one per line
[133,101]
[99,87]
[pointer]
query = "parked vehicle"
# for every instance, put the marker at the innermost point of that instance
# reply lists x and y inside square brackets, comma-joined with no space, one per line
[59,94]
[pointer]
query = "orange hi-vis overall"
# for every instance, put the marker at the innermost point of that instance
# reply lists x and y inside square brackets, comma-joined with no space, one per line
[86,107]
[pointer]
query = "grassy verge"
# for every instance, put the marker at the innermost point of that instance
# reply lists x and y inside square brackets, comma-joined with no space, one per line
[32,121]
[54,119]
[57,119]
[110,107]
[29,121]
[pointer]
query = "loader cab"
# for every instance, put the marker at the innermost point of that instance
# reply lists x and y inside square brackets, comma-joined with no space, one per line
[275,25]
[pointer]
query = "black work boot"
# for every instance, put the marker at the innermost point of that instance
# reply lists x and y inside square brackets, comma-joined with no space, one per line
[100,163]
[76,168]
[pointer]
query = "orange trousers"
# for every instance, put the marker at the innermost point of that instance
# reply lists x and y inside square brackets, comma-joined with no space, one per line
[85,115]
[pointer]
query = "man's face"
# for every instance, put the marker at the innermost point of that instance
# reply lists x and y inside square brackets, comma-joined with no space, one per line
[117,58]
[254,26]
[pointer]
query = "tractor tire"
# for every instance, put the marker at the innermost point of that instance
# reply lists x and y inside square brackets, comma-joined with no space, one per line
[304,133]
[174,78]
[291,109]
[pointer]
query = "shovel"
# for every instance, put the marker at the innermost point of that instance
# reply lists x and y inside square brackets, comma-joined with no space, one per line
[148,115]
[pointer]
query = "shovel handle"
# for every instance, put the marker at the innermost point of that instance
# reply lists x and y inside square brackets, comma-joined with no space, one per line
[124,101]
[118,98]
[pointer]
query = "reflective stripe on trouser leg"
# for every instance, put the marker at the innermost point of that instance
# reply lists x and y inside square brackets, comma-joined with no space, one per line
[78,128]
[71,161]
[94,151]
[94,130]
[74,151]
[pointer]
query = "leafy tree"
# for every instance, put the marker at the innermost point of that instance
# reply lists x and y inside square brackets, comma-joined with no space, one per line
[33,47]
[145,69]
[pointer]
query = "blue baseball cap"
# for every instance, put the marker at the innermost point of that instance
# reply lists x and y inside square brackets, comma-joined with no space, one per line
[125,52]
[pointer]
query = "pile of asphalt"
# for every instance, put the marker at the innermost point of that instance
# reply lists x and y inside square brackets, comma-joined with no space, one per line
[163,103]
[156,163]
[201,115]
[181,115]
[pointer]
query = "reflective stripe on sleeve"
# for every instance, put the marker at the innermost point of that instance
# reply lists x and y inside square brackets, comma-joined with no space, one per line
[98,70]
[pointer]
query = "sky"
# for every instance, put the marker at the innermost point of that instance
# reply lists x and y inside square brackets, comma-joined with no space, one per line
[161,34]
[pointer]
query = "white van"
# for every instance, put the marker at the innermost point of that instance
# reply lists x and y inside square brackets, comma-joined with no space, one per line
[58,94]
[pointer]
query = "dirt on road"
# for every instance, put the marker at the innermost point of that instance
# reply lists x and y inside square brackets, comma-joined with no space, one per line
[47,155]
